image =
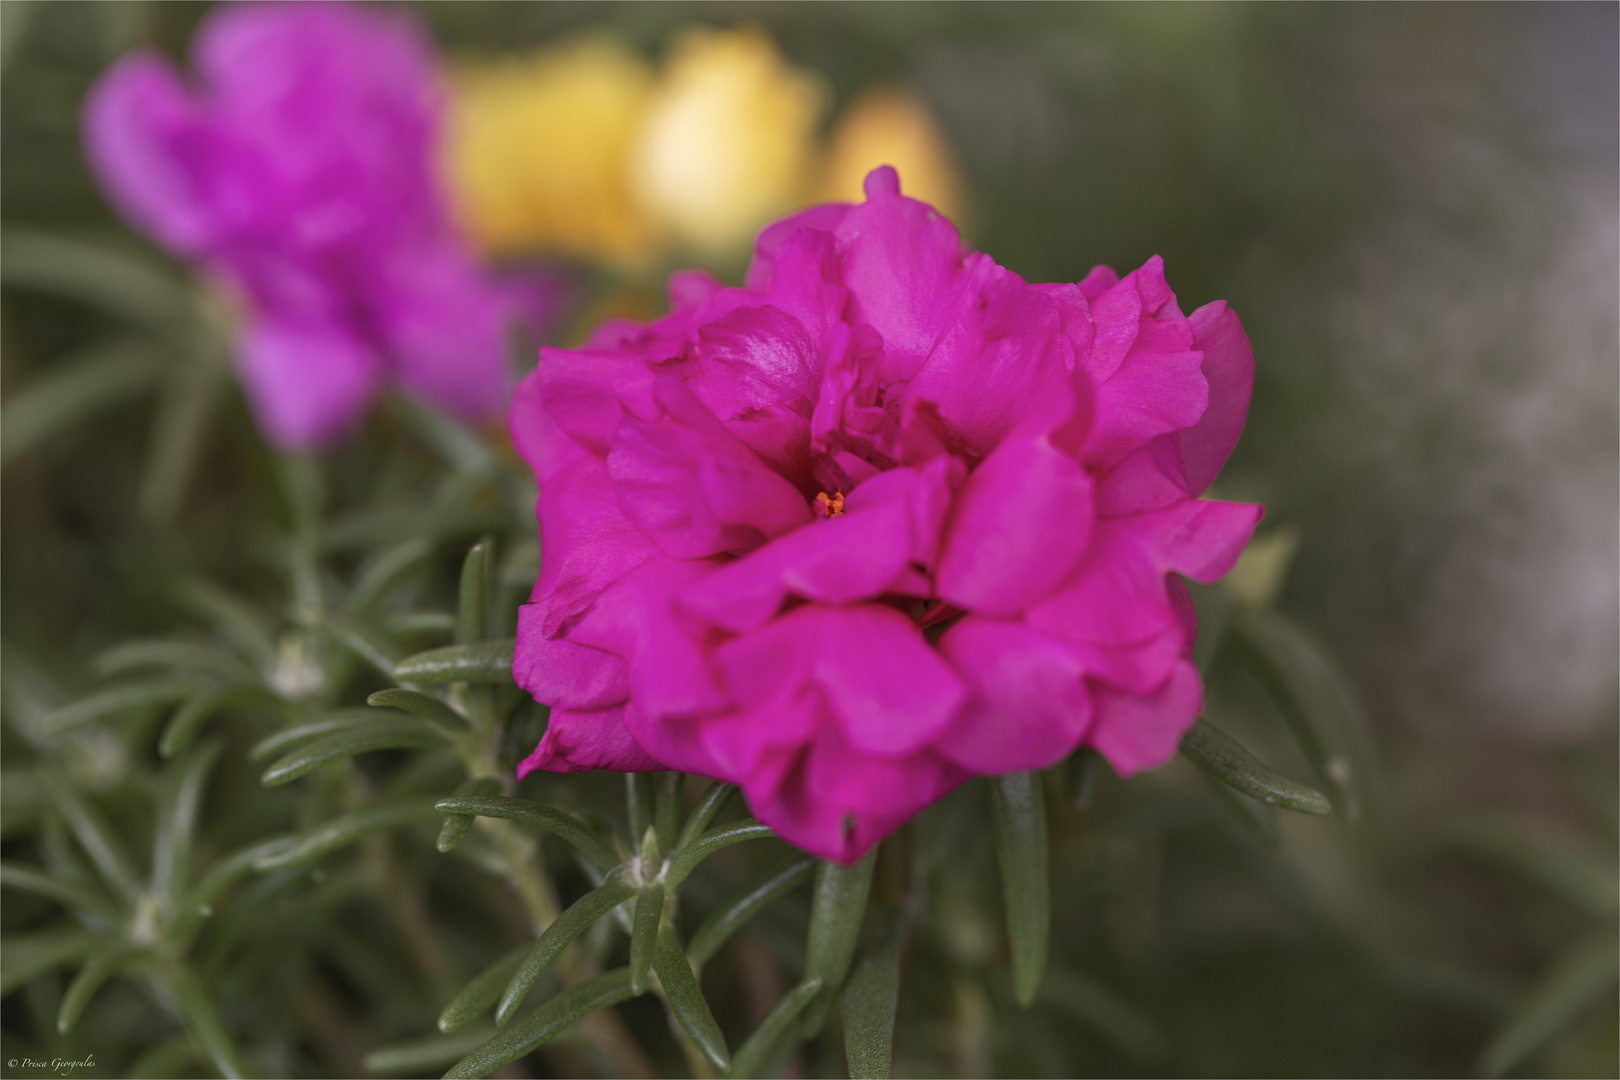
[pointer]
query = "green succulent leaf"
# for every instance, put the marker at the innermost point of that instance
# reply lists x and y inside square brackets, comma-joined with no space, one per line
[483,662]
[686,999]
[644,935]
[1018,815]
[472,614]
[592,844]
[574,921]
[869,1005]
[754,897]
[837,910]
[422,705]
[482,991]
[1584,973]
[546,1022]
[709,805]
[360,739]
[778,1024]
[1312,701]
[103,375]
[686,859]
[342,831]
[92,977]
[1222,758]
[116,701]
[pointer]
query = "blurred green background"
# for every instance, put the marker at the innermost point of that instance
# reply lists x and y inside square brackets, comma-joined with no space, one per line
[1414,210]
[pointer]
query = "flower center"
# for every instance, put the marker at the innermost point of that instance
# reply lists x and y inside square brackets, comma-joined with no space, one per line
[829,506]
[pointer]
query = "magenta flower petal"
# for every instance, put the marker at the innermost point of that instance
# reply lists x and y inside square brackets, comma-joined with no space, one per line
[1020,525]
[577,741]
[301,169]
[1029,706]
[903,266]
[1141,732]
[139,127]
[694,487]
[306,383]
[1229,370]
[885,518]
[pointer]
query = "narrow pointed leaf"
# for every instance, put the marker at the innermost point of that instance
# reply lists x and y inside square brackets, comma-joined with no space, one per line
[338,720]
[638,804]
[116,701]
[364,643]
[419,1055]
[125,284]
[1222,757]
[29,956]
[1583,878]
[1312,700]
[457,826]
[1018,814]
[324,839]
[472,616]
[77,388]
[419,704]
[236,620]
[91,977]
[708,807]
[667,808]
[1587,971]
[70,894]
[777,1024]
[195,711]
[103,846]
[546,1022]
[837,909]
[361,739]
[203,1021]
[485,662]
[686,859]
[749,901]
[591,844]
[482,991]
[644,936]
[171,853]
[379,574]
[563,930]
[168,653]
[686,1000]
[220,876]
[869,1005]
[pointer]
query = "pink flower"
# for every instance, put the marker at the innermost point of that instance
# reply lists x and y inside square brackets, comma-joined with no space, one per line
[885,518]
[300,167]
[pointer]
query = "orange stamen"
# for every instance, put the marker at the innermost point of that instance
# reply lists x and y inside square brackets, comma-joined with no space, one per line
[829,506]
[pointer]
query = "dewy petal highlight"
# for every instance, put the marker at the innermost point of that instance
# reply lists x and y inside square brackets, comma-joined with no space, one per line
[884,518]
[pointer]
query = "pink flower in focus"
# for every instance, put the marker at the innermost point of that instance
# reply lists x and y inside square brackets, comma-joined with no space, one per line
[300,167]
[886,517]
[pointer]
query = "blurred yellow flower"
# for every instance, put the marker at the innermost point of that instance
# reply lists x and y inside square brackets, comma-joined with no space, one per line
[539,149]
[729,140]
[892,127]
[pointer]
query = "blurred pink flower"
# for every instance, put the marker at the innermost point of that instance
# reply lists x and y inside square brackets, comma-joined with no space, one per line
[301,168]
[884,518]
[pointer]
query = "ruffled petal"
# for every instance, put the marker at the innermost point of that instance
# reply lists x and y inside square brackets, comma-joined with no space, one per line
[308,385]
[577,741]
[1136,732]
[1029,706]
[146,140]
[694,487]
[1229,370]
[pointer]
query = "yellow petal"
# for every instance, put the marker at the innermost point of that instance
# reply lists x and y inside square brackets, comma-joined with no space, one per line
[893,127]
[538,152]
[729,141]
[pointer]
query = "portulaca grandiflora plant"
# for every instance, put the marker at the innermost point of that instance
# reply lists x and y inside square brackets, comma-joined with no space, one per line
[826,589]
